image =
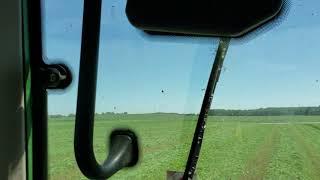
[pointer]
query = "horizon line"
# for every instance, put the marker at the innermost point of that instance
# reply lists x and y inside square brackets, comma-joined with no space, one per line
[110,112]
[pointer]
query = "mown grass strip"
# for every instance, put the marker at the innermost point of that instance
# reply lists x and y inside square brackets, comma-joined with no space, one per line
[312,158]
[256,167]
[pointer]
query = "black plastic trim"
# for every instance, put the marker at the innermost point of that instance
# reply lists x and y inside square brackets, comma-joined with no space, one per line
[38,92]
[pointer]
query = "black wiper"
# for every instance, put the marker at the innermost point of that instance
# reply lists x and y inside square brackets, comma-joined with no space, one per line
[206,103]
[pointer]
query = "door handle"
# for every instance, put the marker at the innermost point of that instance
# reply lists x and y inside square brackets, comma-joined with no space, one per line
[123,143]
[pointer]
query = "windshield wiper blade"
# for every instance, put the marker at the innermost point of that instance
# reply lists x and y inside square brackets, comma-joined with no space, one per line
[206,103]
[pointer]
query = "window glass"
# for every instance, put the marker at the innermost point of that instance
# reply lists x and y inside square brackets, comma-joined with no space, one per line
[265,115]
[153,85]
[266,119]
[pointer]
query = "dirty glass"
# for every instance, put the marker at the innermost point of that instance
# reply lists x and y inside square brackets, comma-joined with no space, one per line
[265,115]
[152,85]
[265,122]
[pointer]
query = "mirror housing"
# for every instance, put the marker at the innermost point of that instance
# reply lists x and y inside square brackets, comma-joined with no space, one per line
[221,18]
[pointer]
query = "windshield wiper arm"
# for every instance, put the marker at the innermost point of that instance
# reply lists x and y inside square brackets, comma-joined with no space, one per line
[206,103]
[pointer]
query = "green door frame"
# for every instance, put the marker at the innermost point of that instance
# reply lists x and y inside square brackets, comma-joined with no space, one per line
[36,95]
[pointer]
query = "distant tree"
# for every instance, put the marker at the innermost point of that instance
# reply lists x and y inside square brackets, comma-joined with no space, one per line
[56,116]
[71,115]
[307,111]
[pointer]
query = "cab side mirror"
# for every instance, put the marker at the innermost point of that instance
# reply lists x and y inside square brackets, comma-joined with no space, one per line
[222,18]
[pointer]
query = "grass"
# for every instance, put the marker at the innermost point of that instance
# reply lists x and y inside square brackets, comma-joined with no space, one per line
[274,147]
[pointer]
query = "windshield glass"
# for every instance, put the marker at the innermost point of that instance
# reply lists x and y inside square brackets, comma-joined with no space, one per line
[265,115]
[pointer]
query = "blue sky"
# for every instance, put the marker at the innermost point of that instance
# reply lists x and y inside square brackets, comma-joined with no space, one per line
[279,67]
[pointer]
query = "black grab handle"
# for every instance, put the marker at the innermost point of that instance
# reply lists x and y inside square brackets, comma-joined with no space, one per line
[123,143]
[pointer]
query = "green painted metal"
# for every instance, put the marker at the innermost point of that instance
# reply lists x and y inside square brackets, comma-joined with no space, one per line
[27,89]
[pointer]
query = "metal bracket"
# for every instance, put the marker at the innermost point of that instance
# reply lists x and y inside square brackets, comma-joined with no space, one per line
[56,76]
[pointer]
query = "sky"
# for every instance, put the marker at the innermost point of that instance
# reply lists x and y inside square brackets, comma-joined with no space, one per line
[276,68]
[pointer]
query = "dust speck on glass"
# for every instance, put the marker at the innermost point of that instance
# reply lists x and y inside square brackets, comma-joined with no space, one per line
[264,120]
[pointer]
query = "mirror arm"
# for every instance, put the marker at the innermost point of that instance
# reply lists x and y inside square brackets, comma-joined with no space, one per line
[123,144]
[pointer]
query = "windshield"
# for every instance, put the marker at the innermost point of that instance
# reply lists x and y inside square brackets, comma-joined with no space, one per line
[265,115]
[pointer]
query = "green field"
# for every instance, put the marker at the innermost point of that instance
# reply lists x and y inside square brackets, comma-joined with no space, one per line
[261,147]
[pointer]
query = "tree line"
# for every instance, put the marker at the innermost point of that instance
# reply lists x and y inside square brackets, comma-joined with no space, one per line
[273,111]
